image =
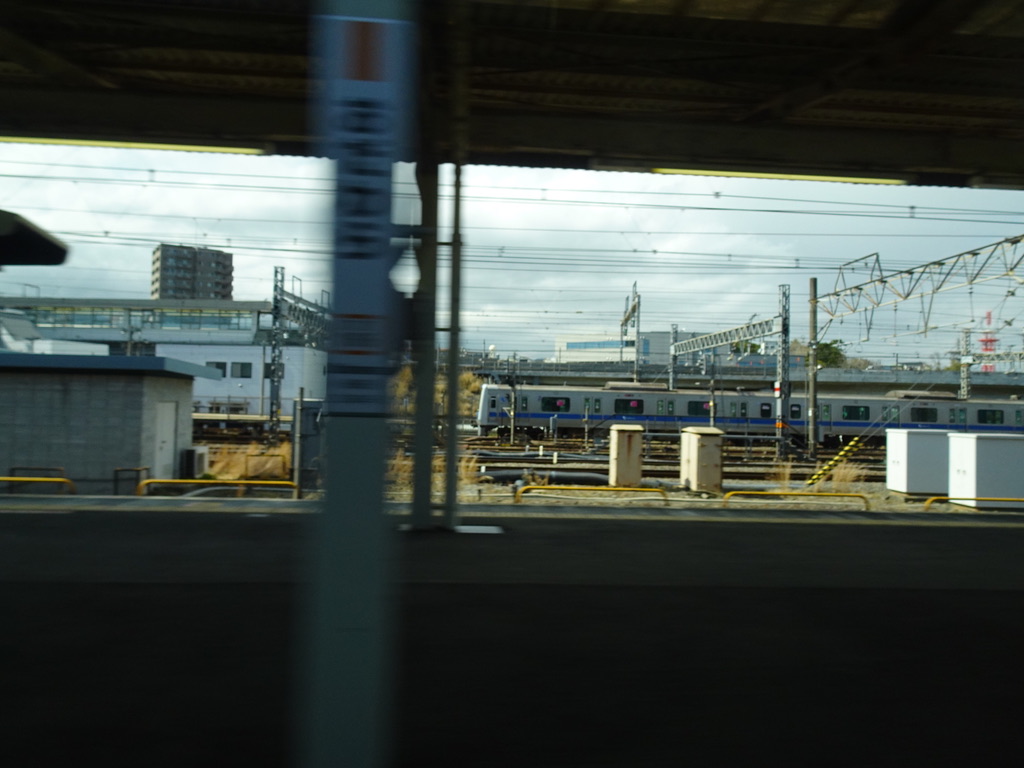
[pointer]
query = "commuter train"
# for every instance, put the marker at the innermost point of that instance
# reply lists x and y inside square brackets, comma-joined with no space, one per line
[539,410]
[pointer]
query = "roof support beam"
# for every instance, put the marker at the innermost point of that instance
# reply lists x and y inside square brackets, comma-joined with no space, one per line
[916,25]
[47,63]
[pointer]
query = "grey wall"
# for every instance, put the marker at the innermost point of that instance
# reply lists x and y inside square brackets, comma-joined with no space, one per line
[87,424]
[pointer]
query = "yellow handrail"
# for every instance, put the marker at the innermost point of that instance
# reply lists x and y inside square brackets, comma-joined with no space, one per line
[140,489]
[730,494]
[526,488]
[70,486]
[928,503]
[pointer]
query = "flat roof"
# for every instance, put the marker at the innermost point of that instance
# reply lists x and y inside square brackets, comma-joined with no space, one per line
[153,366]
[19,302]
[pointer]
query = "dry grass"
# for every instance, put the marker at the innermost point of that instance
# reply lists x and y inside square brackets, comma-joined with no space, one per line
[782,474]
[847,473]
[255,461]
[468,470]
[401,474]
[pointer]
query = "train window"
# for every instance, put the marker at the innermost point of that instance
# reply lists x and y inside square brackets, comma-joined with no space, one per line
[1020,418]
[732,409]
[794,411]
[672,407]
[661,407]
[743,410]
[629,405]
[494,403]
[990,416]
[554,404]
[924,415]
[524,403]
[586,405]
[766,410]
[856,412]
[597,405]
[826,412]
[697,408]
[957,415]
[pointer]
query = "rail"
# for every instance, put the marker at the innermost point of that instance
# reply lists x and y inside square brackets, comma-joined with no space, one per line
[525,488]
[69,486]
[730,494]
[928,502]
[140,489]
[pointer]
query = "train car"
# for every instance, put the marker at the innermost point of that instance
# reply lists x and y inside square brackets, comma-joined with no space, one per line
[543,410]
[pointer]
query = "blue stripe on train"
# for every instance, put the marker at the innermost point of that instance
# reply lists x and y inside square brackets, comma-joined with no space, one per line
[576,420]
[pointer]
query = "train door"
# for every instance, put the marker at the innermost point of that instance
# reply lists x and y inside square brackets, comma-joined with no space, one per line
[958,418]
[825,419]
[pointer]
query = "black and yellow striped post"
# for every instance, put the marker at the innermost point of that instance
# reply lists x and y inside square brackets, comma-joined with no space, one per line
[848,450]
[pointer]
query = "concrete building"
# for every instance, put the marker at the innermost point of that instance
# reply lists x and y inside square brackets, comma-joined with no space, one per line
[245,383]
[19,334]
[188,272]
[233,336]
[654,348]
[135,326]
[92,415]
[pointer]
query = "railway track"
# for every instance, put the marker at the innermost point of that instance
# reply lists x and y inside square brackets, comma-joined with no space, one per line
[662,461]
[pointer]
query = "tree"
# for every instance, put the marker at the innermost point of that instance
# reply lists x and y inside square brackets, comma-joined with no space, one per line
[831,355]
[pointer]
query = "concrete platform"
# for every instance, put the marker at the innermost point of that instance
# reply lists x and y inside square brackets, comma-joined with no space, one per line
[156,638]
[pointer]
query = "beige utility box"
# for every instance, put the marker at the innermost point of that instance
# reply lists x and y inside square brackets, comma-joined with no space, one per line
[700,458]
[626,464]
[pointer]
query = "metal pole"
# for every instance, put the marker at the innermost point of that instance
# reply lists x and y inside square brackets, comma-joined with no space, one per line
[965,365]
[423,344]
[297,441]
[782,371]
[459,116]
[672,356]
[812,373]
[636,355]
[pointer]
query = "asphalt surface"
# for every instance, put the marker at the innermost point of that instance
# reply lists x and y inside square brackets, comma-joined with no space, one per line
[583,637]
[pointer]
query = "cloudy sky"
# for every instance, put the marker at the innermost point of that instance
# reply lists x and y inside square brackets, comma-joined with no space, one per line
[547,252]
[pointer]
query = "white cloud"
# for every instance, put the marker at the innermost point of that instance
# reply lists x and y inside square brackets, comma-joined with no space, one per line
[546,252]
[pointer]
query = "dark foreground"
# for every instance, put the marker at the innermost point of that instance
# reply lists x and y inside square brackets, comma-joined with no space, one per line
[165,639]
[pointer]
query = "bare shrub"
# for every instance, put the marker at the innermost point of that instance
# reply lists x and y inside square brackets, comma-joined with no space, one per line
[468,470]
[782,474]
[847,473]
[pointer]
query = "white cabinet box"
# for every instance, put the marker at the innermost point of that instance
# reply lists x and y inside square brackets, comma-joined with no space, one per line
[986,465]
[916,461]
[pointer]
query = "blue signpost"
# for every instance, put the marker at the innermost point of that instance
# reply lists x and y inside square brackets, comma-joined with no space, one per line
[365,51]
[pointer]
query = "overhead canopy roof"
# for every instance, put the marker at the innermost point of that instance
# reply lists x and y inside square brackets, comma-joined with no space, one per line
[928,91]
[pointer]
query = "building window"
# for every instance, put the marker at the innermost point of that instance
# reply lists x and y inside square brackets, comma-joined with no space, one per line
[222,367]
[241,370]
